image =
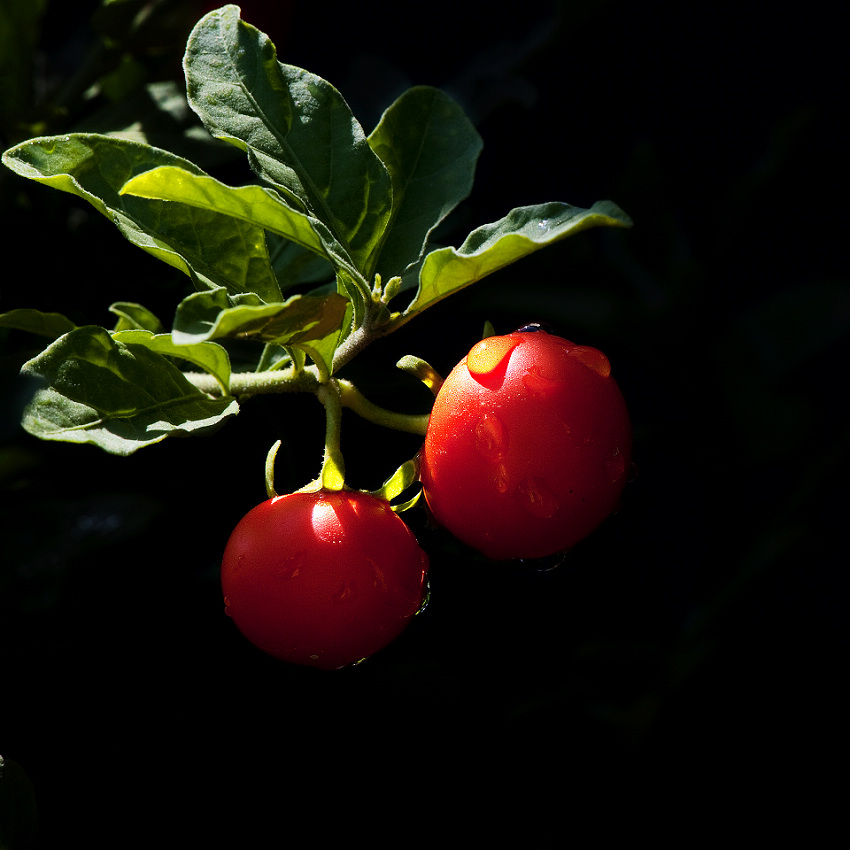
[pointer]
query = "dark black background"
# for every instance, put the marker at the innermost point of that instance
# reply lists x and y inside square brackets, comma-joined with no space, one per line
[684,663]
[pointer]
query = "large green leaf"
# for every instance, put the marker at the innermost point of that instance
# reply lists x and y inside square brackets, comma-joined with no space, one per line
[494,246]
[212,248]
[91,388]
[430,149]
[296,128]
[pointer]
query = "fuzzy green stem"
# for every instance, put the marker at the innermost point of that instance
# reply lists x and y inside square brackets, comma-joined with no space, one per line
[333,464]
[251,383]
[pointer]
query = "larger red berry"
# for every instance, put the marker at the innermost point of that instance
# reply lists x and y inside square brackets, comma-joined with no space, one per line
[324,578]
[528,446]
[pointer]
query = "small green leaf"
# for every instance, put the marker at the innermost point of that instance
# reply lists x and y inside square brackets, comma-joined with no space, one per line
[209,356]
[430,149]
[321,349]
[135,317]
[494,246]
[91,388]
[51,325]
[213,249]
[213,315]
[296,128]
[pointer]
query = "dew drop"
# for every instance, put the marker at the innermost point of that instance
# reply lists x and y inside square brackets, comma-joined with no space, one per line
[533,327]
[616,466]
[536,497]
[491,438]
[488,354]
[592,358]
[501,481]
[537,384]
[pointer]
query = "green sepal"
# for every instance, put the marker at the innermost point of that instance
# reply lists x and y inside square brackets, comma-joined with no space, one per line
[400,481]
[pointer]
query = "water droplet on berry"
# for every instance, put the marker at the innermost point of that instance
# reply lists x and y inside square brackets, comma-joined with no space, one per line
[537,384]
[491,438]
[616,466]
[592,358]
[501,481]
[487,355]
[533,327]
[536,497]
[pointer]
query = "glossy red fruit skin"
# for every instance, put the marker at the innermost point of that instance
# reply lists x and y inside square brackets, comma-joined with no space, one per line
[528,446]
[323,579]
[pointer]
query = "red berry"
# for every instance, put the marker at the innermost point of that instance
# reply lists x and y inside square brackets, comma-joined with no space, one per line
[528,446]
[324,578]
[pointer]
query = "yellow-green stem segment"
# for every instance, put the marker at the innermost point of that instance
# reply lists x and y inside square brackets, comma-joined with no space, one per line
[353,399]
[333,465]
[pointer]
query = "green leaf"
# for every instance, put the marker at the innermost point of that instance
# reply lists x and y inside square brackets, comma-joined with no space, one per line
[213,315]
[296,128]
[91,388]
[489,248]
[295,265]
[209,356]
[252,204]
[134,317]
[430,149]
[213,249]
[52,325]
[322,348]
